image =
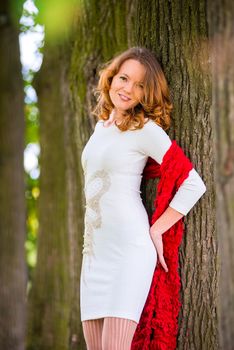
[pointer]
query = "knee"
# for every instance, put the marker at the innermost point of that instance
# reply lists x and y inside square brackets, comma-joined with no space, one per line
[92,330]
[110,342]
[118,334]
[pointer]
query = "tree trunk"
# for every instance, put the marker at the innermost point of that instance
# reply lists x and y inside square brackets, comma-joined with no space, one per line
[50,296]
[12,195]
[178,33]
[222,45]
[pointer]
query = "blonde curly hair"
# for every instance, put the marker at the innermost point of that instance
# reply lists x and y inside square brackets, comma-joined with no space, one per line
[155,104]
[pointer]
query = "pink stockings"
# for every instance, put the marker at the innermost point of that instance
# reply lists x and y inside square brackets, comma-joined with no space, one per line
[109,333]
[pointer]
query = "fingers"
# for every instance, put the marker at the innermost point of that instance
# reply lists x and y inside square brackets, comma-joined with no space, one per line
[159,247]
[163,263]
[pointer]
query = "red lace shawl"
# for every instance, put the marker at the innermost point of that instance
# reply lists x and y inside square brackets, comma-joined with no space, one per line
[158,325]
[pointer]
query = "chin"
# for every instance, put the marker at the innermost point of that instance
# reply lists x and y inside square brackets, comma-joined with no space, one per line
[120,108]
[123,109]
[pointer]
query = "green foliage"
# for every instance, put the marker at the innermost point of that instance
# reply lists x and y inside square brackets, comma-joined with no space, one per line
[32,189]
[28,25]
[32,123]
[57,17]
[16,7]
[32,192]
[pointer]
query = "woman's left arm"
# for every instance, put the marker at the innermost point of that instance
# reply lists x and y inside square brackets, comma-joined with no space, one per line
[154,142]
[185,198]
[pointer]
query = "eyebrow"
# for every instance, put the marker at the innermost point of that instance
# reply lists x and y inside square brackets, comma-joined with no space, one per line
[128,77]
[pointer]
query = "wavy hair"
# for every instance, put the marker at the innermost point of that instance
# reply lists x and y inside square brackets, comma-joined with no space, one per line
[155,103]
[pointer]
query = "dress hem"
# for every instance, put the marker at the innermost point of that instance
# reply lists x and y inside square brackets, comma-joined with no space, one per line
[118,314]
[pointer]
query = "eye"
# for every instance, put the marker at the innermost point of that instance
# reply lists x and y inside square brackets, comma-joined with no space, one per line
[122,77]
[140,86]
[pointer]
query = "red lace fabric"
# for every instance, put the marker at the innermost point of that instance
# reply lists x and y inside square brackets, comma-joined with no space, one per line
[158,325]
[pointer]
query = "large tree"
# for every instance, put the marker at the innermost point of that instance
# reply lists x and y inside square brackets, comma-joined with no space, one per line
[180,38]
[221,26]
[178,32]
[50,297]
[12,193]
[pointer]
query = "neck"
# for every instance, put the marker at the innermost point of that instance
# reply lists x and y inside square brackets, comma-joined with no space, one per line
[116,116]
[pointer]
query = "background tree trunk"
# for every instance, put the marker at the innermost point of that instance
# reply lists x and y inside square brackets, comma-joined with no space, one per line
[222,45]
[12,195]
[179,36]
[50,296]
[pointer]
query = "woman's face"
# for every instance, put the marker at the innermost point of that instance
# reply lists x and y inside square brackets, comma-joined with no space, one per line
[127,85]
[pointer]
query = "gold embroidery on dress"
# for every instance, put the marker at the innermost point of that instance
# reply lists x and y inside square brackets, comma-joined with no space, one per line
[96,186]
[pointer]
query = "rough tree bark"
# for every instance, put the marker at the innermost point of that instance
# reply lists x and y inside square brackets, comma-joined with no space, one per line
[221,25]
[179,36]
[12,193]
[178,33]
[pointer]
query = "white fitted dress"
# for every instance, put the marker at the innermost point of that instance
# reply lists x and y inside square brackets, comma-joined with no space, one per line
[119,256]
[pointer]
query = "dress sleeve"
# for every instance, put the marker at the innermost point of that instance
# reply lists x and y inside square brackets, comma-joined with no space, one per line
[155,142]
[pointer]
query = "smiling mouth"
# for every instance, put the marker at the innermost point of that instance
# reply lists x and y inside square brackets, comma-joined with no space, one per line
[124,98]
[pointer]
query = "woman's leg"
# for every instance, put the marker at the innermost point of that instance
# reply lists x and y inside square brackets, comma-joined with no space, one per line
[92,330]
[117,333]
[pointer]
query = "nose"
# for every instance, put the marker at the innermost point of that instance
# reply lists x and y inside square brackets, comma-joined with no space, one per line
[129,87]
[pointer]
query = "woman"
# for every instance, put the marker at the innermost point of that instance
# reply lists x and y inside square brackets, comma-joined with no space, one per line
[120,247]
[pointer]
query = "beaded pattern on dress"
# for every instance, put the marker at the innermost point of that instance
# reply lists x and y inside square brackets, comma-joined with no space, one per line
[96,186]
